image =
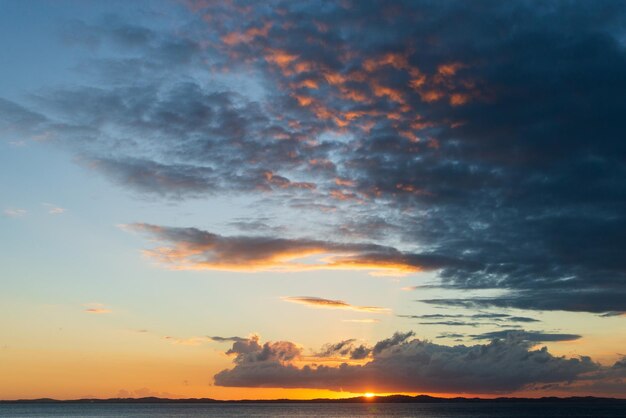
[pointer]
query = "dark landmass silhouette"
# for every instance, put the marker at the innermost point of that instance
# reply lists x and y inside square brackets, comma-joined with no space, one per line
[358,399]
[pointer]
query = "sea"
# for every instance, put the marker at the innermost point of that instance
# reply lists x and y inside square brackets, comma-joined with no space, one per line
[424,410]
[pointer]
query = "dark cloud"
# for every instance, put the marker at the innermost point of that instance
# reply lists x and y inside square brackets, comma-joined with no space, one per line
[403,364]
[451,335]
[460,319]
[589,300]
[607,380]
[250,351]
[532,336]
[164,179]
[346,349]
[522,319]
[228,339]
[341,348]
[486,133]
[360,352]
[395,339]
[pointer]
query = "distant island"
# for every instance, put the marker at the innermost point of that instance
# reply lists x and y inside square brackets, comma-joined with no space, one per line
[358,399]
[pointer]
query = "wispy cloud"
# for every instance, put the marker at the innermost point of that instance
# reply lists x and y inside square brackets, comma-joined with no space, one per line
[471,320]
[192,341]
[96,308]
[362,321]
[322,303]
[14,212]
[54,209]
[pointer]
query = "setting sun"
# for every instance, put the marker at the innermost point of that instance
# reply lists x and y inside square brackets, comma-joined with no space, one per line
[369,395]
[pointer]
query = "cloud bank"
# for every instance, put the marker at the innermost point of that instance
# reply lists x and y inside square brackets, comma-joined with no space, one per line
[403,363]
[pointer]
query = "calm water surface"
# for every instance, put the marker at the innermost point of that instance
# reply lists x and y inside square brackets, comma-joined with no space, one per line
[484,410]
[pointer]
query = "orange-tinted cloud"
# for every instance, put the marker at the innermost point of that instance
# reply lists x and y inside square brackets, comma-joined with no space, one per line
[303,100]
[449,69]
[284,183]
[395,60]
[234,38]
[308,83]
[409,188]
[194,249]
[392,94]
[344,196]
[316,302]
[458,99]
[431,95]
[281,58]
[334,78]
[344,182]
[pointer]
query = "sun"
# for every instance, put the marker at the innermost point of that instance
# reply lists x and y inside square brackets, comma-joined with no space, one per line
[369,395]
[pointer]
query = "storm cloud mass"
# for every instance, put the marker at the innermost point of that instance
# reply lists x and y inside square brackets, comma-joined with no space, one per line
[481,140]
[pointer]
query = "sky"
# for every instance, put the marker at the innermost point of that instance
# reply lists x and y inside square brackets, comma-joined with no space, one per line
[300,199]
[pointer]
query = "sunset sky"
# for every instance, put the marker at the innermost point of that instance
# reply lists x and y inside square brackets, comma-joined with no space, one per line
[299,199]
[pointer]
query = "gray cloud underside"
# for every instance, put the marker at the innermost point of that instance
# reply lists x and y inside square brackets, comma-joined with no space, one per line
[532,336]
[522,178]
[401,363]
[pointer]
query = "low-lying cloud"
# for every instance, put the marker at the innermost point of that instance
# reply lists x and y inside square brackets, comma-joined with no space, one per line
[406,364]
